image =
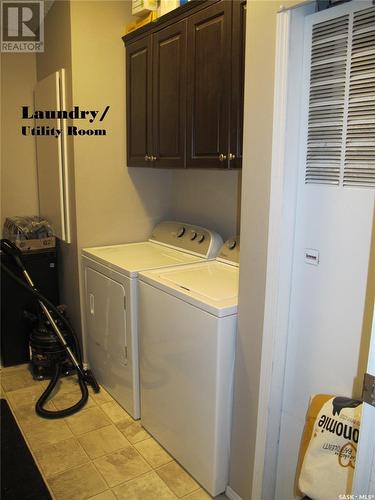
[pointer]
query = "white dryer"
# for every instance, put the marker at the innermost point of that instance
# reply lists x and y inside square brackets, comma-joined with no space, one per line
[187,326]
[110,280]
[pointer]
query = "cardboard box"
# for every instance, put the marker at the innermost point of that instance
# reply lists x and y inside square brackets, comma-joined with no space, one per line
[168,5]
[141,22]
[30,245]
[140,7]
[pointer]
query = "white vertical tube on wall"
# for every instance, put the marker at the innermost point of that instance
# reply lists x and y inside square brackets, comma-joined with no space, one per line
[64,156]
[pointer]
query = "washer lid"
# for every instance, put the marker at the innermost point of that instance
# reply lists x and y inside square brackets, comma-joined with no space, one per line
[130,258]
[211,285]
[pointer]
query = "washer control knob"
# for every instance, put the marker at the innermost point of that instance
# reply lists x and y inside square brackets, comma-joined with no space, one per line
[193,234]
[180,232]
[231,244]
[200,238]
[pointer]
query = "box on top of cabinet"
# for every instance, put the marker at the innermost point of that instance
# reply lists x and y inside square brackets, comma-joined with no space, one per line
[140,7]
[168,5]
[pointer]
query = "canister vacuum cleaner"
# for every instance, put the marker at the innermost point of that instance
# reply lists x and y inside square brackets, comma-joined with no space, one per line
[54,346]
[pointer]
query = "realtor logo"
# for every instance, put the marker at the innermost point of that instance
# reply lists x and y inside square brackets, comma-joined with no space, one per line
[22,28]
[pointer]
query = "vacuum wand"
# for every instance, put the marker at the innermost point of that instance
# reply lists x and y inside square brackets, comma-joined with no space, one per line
[54,326]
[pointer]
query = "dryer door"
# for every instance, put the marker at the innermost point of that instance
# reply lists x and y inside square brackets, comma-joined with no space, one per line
[106,318]
[106,332]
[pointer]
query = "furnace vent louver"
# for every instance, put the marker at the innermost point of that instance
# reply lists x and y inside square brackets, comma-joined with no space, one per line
[359,169]
[341,120]
[327,99]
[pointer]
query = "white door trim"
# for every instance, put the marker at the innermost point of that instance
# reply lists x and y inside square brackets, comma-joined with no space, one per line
[274,242]
[284,176]
[364,475]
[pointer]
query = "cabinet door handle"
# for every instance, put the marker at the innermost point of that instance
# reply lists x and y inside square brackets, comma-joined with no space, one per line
[147,158]
[231,156]
[222,157]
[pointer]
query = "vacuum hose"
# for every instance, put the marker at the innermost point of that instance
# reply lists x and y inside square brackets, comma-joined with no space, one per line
[46,394]
[85,377]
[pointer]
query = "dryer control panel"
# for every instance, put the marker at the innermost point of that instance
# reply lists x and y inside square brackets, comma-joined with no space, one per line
[188,238]
[230,251]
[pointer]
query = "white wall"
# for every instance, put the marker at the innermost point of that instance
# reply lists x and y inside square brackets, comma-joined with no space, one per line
[259,74]
[57,55]
[256,176]
[209,198]
[114,204]
[18,153]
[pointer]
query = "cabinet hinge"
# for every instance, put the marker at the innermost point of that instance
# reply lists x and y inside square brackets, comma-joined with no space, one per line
[368,390]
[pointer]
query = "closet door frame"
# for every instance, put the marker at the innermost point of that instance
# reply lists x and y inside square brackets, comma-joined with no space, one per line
[289,87]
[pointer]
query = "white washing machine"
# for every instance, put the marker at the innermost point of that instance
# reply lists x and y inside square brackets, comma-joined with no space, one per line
[187,326]
[110,280]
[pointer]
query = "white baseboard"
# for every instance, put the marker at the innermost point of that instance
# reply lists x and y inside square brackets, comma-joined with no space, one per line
[232,495]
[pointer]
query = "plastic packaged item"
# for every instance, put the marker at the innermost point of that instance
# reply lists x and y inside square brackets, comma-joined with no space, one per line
[328,447]
[29,232]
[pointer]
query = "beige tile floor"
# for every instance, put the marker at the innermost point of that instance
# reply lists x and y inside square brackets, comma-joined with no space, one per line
[99,453]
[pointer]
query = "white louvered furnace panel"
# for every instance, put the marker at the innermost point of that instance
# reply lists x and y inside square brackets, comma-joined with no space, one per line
[341,119]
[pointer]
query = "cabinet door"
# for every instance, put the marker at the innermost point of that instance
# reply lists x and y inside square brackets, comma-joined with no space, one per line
[238,77]
[169,96]
[138,90]
[208,68]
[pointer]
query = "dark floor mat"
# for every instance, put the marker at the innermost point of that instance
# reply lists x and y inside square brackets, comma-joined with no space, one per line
[20,476]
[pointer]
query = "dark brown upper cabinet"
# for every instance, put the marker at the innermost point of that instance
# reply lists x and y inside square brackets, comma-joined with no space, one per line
[209,58]
[138,109]
[169,95]
[185,88]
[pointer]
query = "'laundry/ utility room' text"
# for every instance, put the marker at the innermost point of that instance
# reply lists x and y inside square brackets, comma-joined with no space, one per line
[45,130]
[62,114]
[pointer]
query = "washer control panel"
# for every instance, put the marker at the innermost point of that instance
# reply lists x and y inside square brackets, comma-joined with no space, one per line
[188,237]
[230,251]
